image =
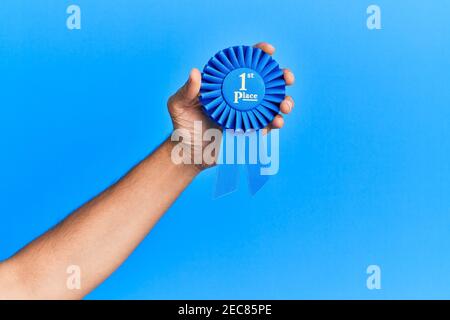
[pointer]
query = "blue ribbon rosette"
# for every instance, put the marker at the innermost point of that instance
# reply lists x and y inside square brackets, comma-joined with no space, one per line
[242,88]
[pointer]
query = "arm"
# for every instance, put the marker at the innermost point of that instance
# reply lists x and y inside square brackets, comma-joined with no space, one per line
[100,235]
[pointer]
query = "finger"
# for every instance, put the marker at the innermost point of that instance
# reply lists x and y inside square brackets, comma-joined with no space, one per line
[266,47]
[191,88]
[277,123]
[289,77]
[287,105]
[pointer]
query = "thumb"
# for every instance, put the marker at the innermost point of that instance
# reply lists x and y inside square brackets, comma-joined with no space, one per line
[191,88]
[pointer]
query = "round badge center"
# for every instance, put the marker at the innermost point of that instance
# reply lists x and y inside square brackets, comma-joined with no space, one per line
[243,89]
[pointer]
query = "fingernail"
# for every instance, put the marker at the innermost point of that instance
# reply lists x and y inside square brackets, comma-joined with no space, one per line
[289,103]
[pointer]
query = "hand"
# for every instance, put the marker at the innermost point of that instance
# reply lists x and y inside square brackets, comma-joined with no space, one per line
[185,108]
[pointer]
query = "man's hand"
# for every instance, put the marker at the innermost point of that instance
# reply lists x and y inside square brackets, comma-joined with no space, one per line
[185,108]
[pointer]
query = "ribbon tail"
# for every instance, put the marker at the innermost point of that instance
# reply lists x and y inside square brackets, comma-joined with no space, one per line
[255,179]
[235,151]
[227,171]
[227,179]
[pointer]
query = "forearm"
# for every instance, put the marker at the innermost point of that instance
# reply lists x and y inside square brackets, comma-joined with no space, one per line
[99,236]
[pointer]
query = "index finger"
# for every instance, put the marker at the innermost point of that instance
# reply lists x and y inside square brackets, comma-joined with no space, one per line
[266,47]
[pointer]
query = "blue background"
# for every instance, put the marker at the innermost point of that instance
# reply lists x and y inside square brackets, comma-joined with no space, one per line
[364,161]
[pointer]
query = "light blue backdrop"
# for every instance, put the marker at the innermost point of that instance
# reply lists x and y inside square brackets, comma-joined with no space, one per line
[364,174]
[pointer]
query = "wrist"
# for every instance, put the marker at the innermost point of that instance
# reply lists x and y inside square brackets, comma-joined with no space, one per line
[188,167]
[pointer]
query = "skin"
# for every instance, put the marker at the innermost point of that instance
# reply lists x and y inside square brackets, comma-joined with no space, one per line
[100,235]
